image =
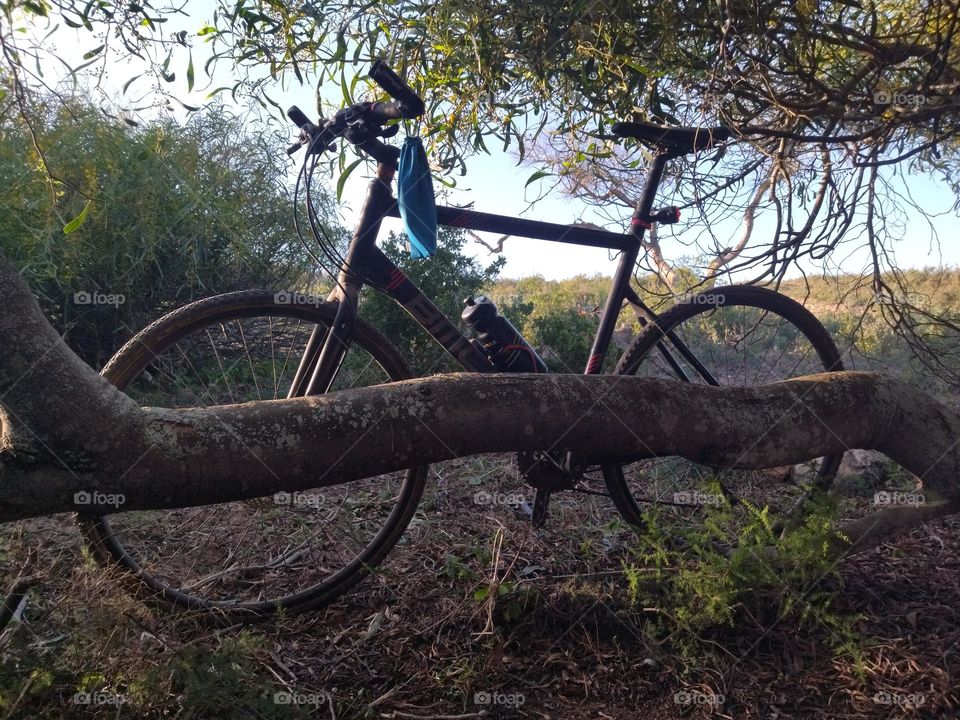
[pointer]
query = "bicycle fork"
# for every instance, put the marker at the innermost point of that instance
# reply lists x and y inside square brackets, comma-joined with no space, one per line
[324,353]
[327,347]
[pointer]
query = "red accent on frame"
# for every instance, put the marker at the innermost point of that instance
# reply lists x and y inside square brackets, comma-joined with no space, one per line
[529,351]
[594,364]
[396,279]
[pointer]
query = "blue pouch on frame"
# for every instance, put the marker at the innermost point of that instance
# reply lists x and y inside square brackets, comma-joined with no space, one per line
[418,206]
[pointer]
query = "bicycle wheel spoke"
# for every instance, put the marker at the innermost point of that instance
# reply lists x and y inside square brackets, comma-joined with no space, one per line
[246,350]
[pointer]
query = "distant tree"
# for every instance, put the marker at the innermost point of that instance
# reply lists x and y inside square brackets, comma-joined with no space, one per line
[559,318]
[115,223]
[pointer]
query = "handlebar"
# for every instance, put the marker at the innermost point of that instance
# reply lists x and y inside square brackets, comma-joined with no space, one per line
[362,121]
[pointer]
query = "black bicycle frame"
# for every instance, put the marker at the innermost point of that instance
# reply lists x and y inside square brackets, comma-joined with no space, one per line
[366,264]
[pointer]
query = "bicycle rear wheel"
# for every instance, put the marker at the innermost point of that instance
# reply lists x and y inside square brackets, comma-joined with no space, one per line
[249,559]
[736,336]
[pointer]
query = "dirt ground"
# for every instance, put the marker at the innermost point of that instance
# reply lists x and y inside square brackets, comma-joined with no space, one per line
[425,638]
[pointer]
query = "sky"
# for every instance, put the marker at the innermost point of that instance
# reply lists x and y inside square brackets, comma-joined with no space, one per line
[494,183]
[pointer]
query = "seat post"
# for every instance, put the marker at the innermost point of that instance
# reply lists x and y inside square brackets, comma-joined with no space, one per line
[640,221]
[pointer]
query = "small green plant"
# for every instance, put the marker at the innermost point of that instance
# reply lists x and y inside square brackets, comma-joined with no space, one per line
[734,570]
[456,569]
[212,682]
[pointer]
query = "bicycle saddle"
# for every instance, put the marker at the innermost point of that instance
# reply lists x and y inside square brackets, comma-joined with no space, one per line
[675,140]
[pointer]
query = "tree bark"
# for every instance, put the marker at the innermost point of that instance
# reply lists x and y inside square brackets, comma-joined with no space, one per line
[65,430]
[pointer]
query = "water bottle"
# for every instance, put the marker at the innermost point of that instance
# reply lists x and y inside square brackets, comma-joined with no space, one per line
[500,340]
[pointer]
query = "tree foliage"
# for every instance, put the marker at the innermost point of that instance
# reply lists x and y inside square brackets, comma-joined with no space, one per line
[834,102]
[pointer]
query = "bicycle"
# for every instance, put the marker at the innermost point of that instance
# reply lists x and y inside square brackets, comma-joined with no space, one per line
[312,547]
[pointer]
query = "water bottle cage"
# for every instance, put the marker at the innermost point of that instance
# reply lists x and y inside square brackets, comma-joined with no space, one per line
[503,353]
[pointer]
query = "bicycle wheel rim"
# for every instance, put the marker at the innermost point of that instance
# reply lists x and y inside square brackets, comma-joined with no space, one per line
[157,339]
[822,351]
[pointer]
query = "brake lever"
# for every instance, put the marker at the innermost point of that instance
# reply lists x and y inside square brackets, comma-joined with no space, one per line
[308,136]
[304,139]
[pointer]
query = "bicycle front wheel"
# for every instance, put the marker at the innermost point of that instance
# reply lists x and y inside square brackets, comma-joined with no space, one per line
[732,336]
[248,559]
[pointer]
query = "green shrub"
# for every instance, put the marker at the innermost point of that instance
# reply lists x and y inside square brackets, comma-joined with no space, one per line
[160,214]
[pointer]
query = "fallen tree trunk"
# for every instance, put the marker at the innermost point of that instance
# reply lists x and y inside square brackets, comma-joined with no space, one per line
[67,431]
[194,456]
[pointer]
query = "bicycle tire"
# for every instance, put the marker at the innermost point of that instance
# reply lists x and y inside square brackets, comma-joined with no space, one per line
[148,345]
[758,298]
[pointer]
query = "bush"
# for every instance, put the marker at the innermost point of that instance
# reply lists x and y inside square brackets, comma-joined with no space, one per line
[164,214]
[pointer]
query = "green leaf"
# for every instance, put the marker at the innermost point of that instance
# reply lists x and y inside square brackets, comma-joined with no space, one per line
[93,53]
[35,8]
[347,100]
[78,220]
[341,52]
[129,82]
[448,182]
[536,176]
[344,175]
[296,67]
[190,73]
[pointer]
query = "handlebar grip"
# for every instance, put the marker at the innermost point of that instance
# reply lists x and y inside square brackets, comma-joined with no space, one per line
[296,115]
[396,87]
